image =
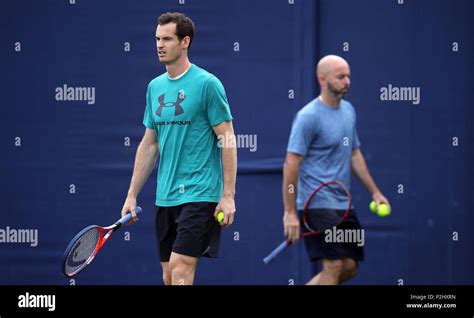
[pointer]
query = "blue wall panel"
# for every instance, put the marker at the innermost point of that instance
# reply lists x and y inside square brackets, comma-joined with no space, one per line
[49,145]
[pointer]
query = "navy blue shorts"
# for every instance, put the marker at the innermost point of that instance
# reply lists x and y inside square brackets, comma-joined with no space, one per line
[187,229]
[329,245]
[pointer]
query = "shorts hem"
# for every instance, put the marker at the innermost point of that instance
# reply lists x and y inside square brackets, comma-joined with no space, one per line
[167,204]
[182,251]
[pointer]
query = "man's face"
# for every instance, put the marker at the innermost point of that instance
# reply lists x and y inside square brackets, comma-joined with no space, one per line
[168,45]
[339,81]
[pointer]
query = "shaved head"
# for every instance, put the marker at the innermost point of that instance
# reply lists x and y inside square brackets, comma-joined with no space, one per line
[334,78]
[329,63]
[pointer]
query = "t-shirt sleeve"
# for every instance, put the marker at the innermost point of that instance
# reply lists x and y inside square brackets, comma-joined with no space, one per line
[218,109]
[148,117]
[301,136]
[355,136]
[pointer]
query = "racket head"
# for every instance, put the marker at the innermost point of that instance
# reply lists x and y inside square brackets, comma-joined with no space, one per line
[84,246]
[81,250]
[319,220]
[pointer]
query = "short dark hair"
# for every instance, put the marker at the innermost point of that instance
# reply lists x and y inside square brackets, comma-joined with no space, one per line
[184,25]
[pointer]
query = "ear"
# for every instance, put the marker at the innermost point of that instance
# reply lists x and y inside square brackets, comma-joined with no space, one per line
[321,80]
[185,42]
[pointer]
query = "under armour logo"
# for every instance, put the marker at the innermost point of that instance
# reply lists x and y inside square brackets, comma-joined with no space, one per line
[178,109]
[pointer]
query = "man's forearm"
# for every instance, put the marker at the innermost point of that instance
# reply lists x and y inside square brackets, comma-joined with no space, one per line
[229,168]
[290,179]
[145,160]
[359,167]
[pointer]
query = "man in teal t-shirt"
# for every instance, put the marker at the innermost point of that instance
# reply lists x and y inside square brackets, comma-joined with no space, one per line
[189,128]
[183,112]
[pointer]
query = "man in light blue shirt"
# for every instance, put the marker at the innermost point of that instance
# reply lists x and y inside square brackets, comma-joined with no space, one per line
[324,146]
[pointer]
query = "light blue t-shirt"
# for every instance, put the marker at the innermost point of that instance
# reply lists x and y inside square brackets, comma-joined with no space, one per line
[325,137]
[182,112]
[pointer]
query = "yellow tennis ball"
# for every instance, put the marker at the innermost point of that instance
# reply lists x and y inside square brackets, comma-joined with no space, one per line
[220,216]
[383,210]
[373,206]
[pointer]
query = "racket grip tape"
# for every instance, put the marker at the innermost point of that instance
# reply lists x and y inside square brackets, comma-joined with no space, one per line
[127,217]
[277,251]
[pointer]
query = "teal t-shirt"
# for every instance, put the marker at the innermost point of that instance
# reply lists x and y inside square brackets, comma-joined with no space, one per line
[182,112]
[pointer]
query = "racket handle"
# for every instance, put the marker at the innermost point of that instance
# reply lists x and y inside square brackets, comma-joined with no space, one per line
[128,216]
[277,251]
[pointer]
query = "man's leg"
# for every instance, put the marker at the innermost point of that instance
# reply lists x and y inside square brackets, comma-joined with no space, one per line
[165,235]
[349,270]
[340,270]
[314,280]
[331,273]
[182,269]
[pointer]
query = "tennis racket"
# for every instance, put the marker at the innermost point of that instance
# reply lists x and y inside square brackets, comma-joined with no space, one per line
[316,222]
[86,244]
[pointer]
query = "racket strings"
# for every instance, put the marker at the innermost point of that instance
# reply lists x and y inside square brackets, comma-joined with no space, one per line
[82,249]
[321,220]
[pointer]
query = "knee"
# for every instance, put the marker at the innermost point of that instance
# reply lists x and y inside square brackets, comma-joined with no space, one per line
[350,269]
[335,267]
[180,268]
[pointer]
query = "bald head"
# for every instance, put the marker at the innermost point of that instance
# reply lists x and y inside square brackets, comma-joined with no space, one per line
[334,77]
[329,64]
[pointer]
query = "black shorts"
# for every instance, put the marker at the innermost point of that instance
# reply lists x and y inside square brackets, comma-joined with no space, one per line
[188,229]
[322,247]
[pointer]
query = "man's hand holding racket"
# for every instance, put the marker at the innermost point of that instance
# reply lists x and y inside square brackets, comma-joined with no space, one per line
[130,205]
[291,225]
[314,222]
